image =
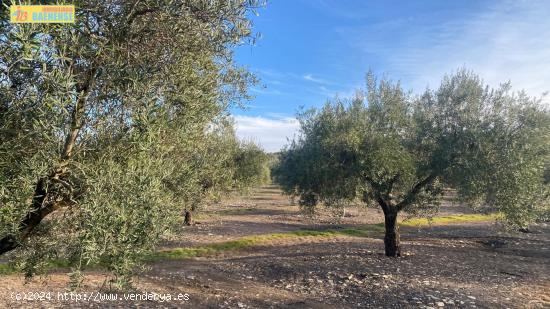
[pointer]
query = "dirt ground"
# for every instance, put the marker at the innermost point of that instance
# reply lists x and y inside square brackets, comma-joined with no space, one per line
[474,265]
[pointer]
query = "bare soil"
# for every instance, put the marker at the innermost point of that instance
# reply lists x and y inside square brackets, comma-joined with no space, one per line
[474,265]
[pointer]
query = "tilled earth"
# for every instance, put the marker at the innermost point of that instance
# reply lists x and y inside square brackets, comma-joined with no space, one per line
[454,266]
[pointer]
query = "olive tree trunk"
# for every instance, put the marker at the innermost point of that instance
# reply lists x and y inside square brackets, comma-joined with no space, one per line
[188,215]
[188,219]
[41,206]
[391,239]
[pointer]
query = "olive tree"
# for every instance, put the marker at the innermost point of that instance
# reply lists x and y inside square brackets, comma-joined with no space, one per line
[225,164]
[391,149]
[251,165]
[100,121]
[317,166]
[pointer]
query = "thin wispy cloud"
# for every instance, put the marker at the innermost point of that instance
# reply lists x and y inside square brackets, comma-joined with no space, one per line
[507,41]
[310,78]
[510,41]
[290,85]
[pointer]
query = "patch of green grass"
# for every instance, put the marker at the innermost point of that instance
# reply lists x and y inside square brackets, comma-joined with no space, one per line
[251,241]
[6,269]
[245,242]
[59,263]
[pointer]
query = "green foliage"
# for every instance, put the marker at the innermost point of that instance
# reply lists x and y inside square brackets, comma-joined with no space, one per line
[318,166]
[225,164]
[251,166]
[101,123]
[397,151]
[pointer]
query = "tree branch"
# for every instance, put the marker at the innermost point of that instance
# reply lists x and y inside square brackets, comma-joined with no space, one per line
[40,208]
[77,115]
[132,16]
[44,202]
[411,196]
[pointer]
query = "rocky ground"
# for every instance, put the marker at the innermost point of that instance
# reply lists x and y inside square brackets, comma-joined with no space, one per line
[468,265]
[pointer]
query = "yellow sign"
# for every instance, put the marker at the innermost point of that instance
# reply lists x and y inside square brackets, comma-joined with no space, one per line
[42,14]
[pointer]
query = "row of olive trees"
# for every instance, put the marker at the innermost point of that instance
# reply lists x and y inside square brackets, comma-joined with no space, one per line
[227,165]
[101,122]
[390,149]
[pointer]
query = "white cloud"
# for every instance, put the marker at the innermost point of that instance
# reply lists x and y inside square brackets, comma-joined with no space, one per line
[270,133]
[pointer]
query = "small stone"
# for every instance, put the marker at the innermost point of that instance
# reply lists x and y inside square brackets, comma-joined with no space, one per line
[440,304]
[471,297]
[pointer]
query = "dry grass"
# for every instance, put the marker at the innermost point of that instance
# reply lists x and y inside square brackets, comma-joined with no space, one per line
[444,220]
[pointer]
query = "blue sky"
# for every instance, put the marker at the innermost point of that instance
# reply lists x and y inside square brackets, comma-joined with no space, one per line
[313,50]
